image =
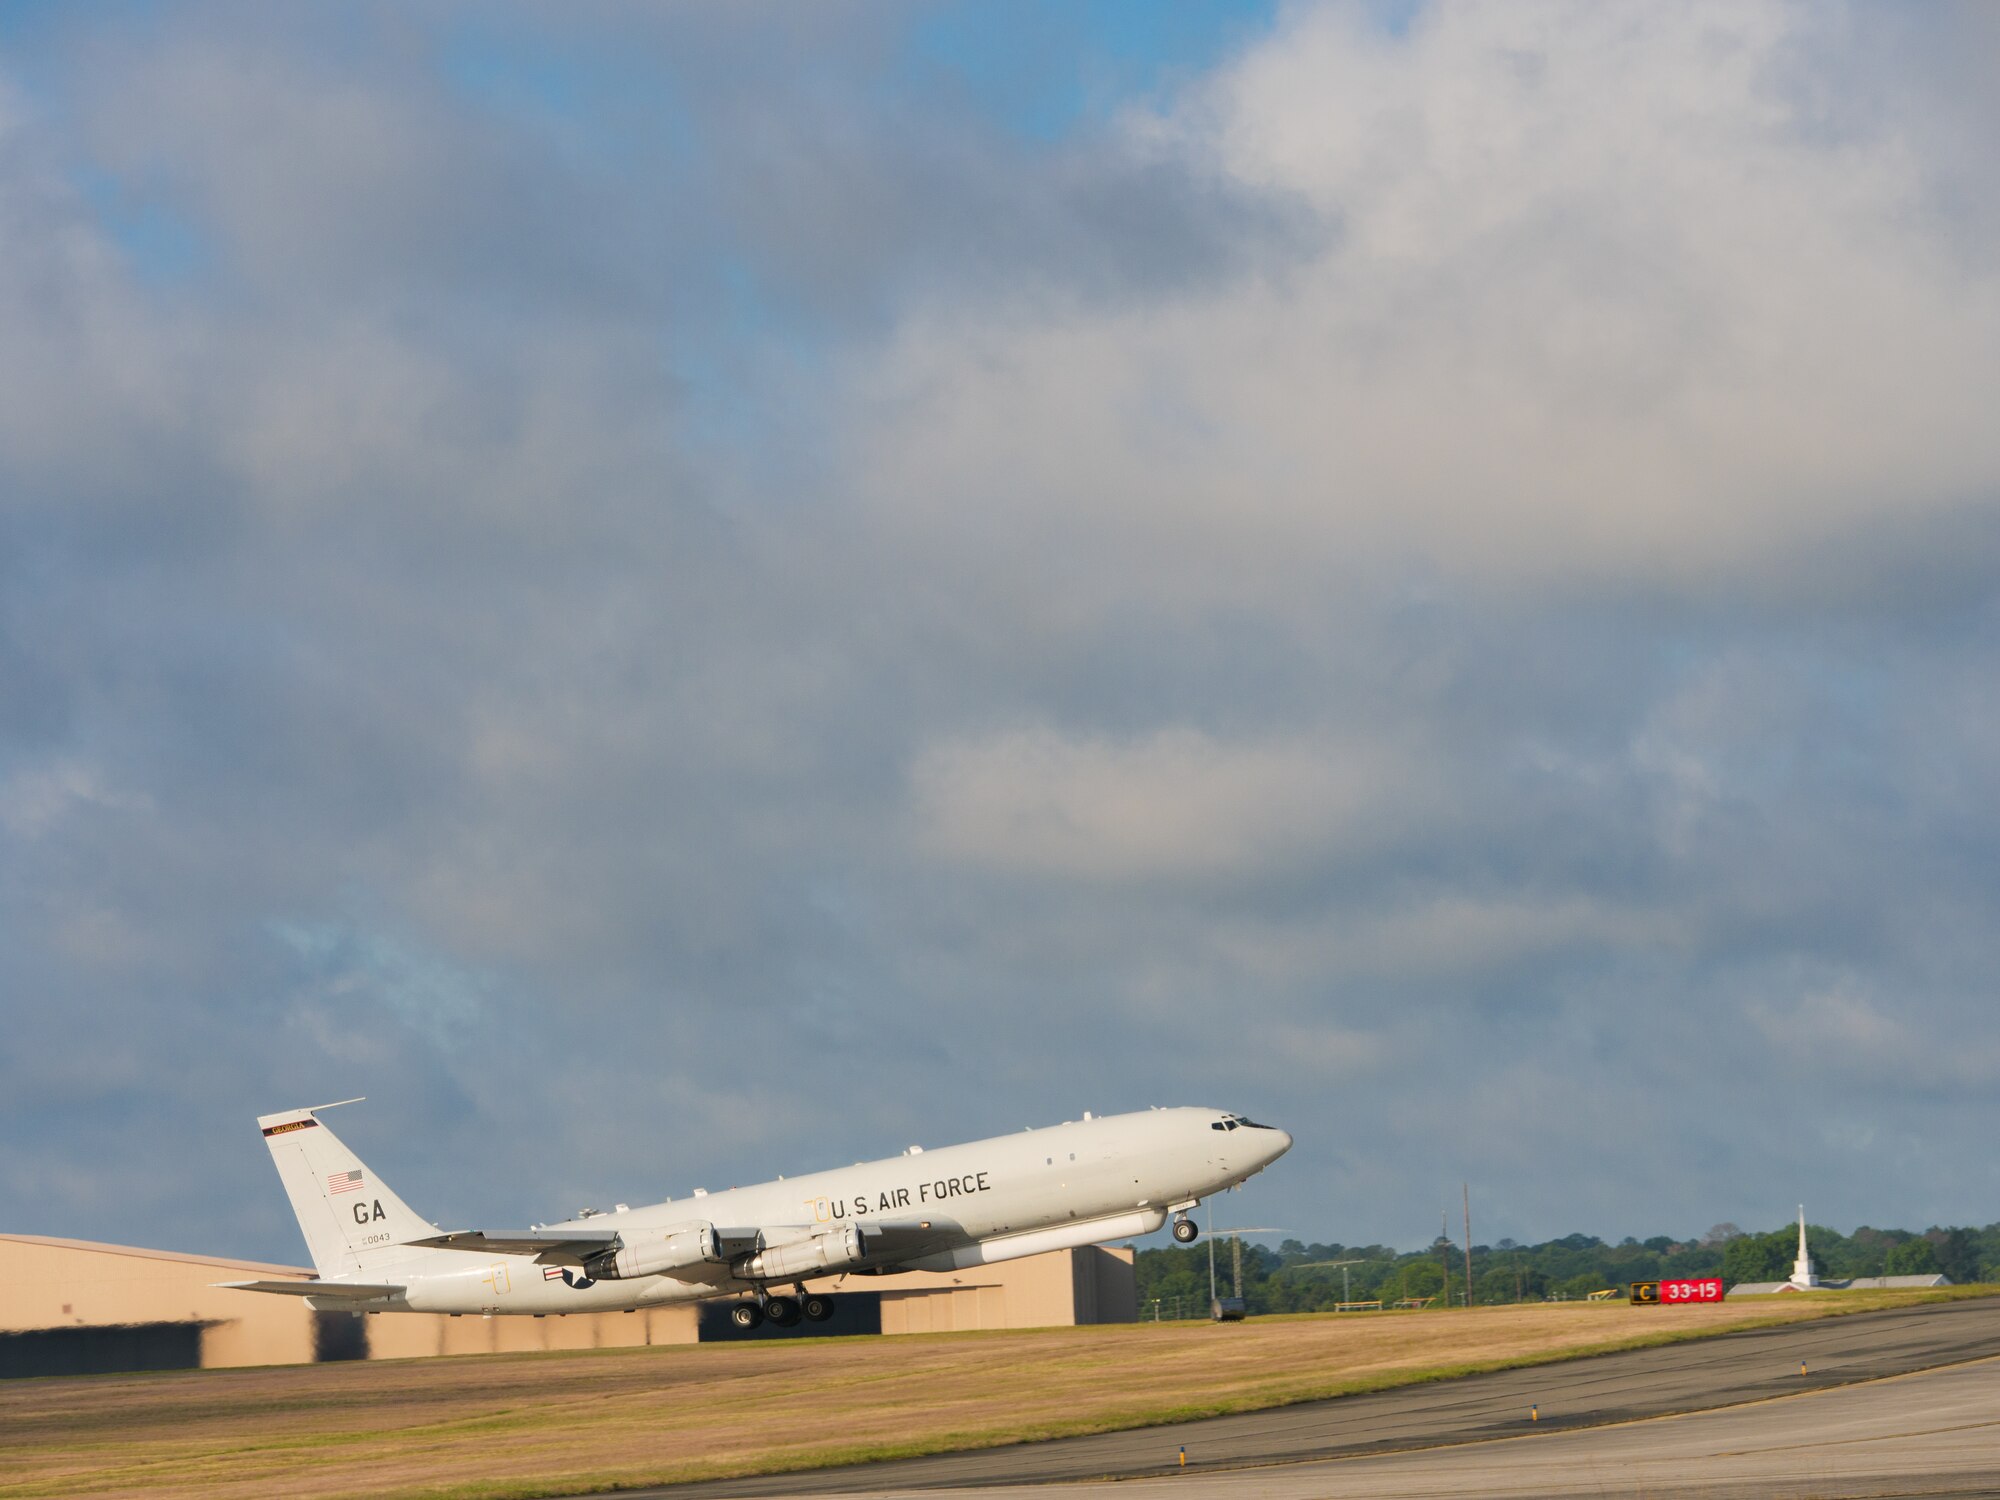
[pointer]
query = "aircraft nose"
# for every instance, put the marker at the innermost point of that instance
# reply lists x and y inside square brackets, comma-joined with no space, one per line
[1283,1143]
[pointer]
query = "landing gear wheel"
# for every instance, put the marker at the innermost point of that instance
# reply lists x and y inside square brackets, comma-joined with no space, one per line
[783,1311]
[746,1315]
[1185,1231]
[816,1307]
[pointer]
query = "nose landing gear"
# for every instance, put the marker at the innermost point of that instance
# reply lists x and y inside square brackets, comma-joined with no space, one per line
[1184,1229]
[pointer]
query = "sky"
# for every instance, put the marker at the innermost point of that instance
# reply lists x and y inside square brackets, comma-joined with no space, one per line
[682,593]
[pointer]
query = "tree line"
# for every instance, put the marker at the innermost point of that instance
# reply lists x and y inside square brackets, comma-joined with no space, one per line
[1300,1277]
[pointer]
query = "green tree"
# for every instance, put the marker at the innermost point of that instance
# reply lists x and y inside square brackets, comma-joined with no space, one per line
[1758,1257]
[1291,1279]
[1916,1257]
[1868,1252]
[1420,1278]
[1957,1254]
[1507,1282]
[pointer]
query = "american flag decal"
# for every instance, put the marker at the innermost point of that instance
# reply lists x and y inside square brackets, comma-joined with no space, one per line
[552,1273]
[344,1182]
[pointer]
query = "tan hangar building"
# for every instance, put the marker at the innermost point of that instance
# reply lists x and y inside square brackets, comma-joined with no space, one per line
[77,1307]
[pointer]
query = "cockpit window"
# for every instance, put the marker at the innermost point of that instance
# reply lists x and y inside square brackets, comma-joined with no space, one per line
[1232,1122]
[1252,1124]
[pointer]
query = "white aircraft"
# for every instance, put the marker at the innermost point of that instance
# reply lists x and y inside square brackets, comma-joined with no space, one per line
[1057,1188]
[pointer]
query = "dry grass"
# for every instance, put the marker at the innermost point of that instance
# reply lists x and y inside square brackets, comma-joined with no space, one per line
[540,1424]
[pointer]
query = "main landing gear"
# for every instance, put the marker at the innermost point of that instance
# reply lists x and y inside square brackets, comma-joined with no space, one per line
[782,1311]
[1184,1229]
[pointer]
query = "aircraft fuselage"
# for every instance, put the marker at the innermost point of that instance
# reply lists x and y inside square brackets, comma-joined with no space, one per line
[1058,1187]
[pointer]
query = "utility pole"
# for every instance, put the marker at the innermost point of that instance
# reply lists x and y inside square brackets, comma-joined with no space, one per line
[1444,1252]
[1211,1255]
[1235,1233]
[1466,1189]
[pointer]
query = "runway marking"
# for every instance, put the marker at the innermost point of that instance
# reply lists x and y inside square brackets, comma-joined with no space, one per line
[1835,1443]
[1593,1464]
[1227,1466]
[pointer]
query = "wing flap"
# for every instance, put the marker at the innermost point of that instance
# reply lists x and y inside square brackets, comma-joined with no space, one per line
[892,1241]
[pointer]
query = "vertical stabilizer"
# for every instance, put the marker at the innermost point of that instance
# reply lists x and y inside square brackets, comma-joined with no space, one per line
[349,1216]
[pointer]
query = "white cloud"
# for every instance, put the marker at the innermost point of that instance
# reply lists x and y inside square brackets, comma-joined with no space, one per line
[351,971]
[1443,936]
[1843,1031]
[35,799]
[1175,804]
[1207,644]
[1595,295]
[1327,1051]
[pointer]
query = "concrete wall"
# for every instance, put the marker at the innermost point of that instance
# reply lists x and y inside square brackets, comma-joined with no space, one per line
[415,1335]
[1092,1285]
[49,1285]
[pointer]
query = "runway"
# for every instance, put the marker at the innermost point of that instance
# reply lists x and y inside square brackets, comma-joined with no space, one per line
[1891,1403]
[1935,1433]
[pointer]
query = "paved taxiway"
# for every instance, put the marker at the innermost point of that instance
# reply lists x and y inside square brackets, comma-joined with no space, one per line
[1929,1433]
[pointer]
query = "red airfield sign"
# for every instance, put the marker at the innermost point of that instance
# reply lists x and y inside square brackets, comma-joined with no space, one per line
[1692,1289]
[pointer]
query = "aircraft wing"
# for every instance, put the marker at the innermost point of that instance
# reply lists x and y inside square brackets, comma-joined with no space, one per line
[888,1242]
[554,1247]
[360,1291]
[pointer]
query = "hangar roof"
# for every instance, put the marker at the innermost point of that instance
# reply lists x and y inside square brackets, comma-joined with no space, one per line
[97,1248]
[1859,1283]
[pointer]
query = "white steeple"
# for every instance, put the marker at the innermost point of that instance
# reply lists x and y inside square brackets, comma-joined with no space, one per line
[1802,1271]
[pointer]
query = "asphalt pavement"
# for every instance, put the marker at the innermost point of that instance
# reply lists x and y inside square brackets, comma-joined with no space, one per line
[1238,1454]
[1934,1433]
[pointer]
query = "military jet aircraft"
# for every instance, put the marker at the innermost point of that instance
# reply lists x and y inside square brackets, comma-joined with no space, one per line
[1059,1187]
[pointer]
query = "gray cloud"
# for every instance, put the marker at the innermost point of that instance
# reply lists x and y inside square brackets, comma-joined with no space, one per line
[1437,588]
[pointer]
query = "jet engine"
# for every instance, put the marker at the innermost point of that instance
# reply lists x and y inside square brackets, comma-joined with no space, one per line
[815,1255]
[656,1252]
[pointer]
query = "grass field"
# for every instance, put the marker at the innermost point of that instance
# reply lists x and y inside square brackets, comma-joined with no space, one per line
[503,1426]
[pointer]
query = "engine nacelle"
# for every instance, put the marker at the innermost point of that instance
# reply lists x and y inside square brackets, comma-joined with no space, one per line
[816,1255]
[657,1252]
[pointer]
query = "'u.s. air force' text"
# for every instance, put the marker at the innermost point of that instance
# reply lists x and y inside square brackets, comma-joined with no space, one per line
[890,1199]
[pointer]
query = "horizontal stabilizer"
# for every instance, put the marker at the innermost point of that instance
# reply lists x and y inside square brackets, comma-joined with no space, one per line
[552,1245]
[359,1291]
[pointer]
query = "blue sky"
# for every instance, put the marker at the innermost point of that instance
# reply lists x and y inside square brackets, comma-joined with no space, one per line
[678,594]
[1048,71]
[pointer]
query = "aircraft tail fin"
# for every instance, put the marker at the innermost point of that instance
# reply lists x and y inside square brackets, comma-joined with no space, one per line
[349,1216]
